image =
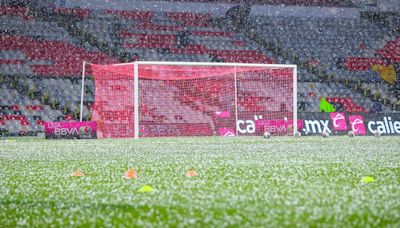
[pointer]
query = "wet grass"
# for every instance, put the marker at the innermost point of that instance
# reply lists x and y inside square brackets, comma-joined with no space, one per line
[245,181]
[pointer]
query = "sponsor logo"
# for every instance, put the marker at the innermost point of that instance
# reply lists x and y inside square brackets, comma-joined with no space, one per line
[258,125]
[53,124]
[65,131]
[279,127]
[248,126]
[84,130]
[338,121]
[309,123]
[338,124]
[385,126]
[70,129]
[316,126]
[357,125]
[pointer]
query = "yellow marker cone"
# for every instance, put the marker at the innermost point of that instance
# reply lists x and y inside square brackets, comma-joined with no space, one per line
[367,179]
[191,173]
[77,173]
[146,188]
[130,174]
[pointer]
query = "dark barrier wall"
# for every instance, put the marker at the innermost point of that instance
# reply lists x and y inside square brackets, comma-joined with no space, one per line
[337,123]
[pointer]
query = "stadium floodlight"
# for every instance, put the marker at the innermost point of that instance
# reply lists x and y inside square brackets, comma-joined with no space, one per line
[149,99]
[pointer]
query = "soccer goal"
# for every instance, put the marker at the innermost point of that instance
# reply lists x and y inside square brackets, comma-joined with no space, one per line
[154,99]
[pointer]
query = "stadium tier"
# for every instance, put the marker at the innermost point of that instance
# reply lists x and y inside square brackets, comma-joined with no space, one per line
[342,49]
[172,37]
[345,60]
[325,3]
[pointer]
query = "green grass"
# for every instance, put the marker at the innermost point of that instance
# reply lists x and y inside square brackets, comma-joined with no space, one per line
[244,182]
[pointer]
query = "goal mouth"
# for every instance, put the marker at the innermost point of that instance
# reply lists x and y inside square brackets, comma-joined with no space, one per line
[151,99]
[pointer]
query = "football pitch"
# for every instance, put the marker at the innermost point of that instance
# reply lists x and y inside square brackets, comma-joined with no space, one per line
[244,181]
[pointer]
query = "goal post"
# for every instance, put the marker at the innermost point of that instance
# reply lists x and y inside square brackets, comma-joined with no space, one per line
[150,99]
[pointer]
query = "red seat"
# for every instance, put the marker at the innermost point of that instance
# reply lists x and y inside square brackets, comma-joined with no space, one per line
[191,19]
[138,15]
[22,12]
[149,40]
[150,26]
[66,59]
[78,12]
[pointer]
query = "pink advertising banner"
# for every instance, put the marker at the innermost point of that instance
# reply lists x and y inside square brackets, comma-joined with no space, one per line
[69,130]
[338,121]
[357,125]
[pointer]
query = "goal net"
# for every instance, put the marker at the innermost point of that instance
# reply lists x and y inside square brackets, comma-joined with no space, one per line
[152,99]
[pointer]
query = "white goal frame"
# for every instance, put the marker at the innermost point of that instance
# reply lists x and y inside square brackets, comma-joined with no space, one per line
[136,84]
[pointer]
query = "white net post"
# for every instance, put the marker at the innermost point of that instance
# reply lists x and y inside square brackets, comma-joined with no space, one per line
[295,127]
[82,90]
[136,99]
[236,102]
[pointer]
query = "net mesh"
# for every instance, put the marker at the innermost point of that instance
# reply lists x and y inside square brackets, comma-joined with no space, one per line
[185,107]
[265,102]
[114,101]
[193,100]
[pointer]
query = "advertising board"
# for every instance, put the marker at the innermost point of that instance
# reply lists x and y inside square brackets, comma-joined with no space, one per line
[70,130]
[337,123]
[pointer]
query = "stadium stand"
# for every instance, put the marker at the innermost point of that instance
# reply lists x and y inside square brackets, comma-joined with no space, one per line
[161,37]
[325,3]
[327,46]
[20,114]
[41,53]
